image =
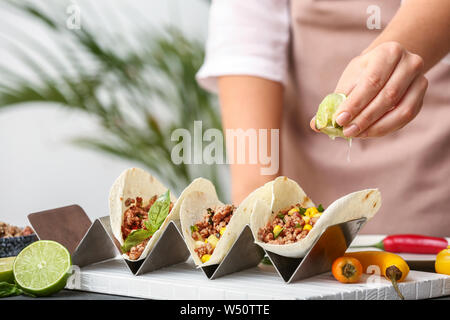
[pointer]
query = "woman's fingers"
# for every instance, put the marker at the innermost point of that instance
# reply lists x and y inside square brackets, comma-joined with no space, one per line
[408,69]
[398,117]
[312,124]
[349,77]
[380,64]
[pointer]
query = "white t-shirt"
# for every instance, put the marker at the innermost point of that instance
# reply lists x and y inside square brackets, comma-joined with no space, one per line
[246,37]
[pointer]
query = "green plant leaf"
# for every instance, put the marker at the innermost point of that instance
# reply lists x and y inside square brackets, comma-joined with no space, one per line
[137,96]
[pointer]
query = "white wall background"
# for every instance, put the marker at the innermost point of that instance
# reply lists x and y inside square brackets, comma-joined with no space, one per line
[39,168]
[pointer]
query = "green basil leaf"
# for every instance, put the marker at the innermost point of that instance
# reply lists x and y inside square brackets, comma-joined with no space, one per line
[134,238]
[9,289]
[158,212]
[266,260]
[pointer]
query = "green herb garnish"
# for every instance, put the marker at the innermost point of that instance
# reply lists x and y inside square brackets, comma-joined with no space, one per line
[8,290]
[266,260]
[320,208]
[298,225]
[194,228]
[156,216]
[302,211]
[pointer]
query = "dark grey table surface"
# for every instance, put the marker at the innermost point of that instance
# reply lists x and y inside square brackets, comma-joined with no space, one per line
[81,295]
[75,295]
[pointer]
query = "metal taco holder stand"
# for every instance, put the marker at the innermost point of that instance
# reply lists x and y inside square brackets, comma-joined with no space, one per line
[90,243]
[99,244]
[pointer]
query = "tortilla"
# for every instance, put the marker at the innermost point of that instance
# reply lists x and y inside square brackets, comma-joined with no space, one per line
[135,182]
[286,192]
[194,207]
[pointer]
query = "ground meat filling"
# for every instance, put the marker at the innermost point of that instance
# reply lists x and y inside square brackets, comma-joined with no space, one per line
[134,218]
[9,231]
[290,225]
[208,231]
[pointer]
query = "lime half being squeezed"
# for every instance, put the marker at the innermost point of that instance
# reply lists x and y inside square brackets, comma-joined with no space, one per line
[325,117]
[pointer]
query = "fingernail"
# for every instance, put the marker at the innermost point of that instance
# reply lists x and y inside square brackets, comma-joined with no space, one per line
[351,131]
[343,118]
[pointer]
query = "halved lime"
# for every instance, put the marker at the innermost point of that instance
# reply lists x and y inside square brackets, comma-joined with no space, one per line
[42,268]
[325,120]
[6,269]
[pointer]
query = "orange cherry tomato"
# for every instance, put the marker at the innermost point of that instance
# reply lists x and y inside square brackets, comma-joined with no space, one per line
[347,269]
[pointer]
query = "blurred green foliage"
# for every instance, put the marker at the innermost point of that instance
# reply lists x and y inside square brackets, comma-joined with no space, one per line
[137,96]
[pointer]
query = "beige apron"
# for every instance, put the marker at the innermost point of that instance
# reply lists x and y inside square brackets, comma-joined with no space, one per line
[410,167]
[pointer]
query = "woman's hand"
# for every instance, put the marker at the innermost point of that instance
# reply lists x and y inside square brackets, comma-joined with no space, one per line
[385,87]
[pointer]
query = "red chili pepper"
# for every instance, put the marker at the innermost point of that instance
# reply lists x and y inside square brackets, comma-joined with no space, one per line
[411,243]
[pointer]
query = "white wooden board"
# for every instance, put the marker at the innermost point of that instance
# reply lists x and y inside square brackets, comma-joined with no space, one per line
[184,281]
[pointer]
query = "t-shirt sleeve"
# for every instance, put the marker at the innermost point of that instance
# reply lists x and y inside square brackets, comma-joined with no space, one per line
[246,38]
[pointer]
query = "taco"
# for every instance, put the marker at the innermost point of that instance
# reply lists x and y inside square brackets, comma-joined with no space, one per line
[210,227]
[292,223]
[140,209]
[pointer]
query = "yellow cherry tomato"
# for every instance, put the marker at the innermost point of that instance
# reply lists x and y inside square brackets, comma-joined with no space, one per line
[442,264]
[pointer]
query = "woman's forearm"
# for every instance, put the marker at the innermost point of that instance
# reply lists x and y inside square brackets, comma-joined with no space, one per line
[249,103]
[422,27]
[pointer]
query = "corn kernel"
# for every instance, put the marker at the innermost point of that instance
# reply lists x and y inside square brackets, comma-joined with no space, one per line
[277,230]
[222,230]
[307,227]
[316,215]
[306,219]
[311,211]
[212,240]
[293,210]
[205,257]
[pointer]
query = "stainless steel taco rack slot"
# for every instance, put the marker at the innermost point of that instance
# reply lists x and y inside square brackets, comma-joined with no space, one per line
[98,243]
[66,225]
[243,254]
[331,244]
[169,249]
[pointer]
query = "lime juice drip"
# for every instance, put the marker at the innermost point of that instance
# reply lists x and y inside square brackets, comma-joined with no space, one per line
[349,147]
